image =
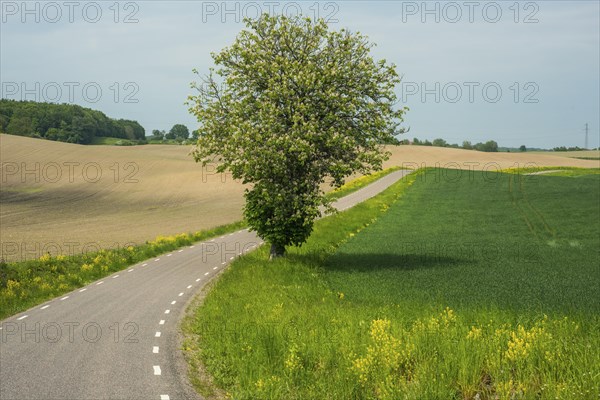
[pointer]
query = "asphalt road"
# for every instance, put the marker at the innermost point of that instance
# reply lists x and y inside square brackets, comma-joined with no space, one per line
[117,337]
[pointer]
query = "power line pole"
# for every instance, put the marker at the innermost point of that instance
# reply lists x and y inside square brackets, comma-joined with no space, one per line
[586,135]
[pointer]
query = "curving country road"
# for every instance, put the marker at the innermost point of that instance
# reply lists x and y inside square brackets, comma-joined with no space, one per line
[117,337]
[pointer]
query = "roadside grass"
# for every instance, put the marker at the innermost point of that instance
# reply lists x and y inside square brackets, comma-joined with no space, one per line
[481,288]
[25,284]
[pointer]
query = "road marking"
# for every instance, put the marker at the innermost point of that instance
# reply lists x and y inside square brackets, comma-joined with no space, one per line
[191,247]
[143,265]
[46,306]
[116,276]
[198,280]
[156,370]
[206,273]
[164,397]
[64,298]
[231,234]
[180,294]
[173,302]
[162,322]
[211,240]
[157,259]
[167,311]
[224,262]
[157,334]
[215,268]
[82,290]
[100,283]
[180,251]
[189,287]
[169,255]
[155,349]
[23,317]
[130,270]
[231,258]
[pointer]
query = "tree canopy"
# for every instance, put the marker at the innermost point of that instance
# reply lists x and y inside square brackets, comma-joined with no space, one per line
[291,104]
[178,131]
[63,122]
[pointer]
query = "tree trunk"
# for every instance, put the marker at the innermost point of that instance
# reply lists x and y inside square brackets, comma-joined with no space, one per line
[277,250]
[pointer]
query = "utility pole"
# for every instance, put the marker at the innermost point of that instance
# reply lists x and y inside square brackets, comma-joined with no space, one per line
[586,135]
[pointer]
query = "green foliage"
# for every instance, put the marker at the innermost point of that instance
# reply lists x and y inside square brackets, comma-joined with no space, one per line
[563,148]
[440,143]
[294,104]
[63,122]
[355,314]
[490,146]
[178,131]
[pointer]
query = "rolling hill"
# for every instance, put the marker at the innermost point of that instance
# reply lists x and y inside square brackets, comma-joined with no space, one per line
[62,198]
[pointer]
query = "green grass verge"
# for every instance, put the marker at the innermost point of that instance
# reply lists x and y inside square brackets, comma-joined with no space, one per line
[483,287]
[28,283]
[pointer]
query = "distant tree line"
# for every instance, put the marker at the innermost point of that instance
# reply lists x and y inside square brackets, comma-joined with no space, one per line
[63,122]
[489,146]
[563,148]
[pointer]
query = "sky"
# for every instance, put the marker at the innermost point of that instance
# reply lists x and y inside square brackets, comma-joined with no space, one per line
[520,73]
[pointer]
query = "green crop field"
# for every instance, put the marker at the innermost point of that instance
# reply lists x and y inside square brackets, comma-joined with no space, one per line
[449,285]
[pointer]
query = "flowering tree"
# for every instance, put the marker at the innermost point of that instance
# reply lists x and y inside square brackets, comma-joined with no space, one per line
[291,105]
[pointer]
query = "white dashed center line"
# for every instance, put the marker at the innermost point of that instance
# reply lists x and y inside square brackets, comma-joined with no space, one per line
[116,276]
[215,268]
[82,290]
[191,247]
[46,306]
[169,255]
[164,397]
[64,298]
[143,265]
[130,270]
[157,334]
[198,280]
[189,286]
[206,273]
[180,294]
[180,251]
[167,311]
[162,322]
[100,283]
[156,370]
[173,302]
[157,259]
[224,262]
[155,349]
[23,317]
